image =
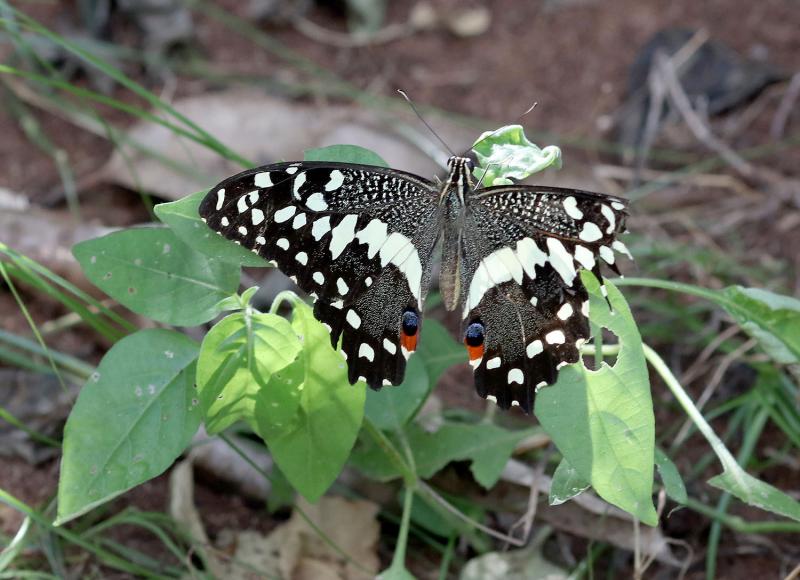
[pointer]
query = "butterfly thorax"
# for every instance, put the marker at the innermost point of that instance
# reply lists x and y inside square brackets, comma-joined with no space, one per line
[455,189]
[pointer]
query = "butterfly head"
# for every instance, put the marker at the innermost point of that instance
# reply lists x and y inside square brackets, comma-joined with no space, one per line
[460,172]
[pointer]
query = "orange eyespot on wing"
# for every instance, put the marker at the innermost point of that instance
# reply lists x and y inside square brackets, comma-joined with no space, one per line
[474,352]
[409,341]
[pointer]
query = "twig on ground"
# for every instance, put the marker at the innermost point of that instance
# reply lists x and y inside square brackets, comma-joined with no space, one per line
[785,108]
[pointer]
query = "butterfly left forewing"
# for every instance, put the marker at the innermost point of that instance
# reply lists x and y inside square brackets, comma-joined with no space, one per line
[348,235]
[522,251]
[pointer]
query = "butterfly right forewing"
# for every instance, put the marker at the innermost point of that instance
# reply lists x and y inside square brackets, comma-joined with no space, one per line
[350,237]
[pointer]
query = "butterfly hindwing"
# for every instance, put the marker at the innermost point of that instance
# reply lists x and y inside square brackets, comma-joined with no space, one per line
[350,237]
[523,247]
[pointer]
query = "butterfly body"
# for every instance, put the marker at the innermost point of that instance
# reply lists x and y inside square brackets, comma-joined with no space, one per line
[360,240]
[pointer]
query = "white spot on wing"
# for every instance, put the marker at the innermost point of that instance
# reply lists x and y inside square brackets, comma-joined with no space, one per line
[241,205]
[338,304]
[243,230]
[561,260]
[316,202]
[555,337]
[389,346]
[621,248]
[590,232]
[353,318]
[493,363]
[257,216]
[261,240]
[609,215]
[321,227]
[285,214]
[302,257]
[225,222]
[530,255]
[607,254]
[617,205]
[299,221]
[283,243]
[336,180]
[298,183]
[584,256]
[374,235]
[515,376]
[534,348]
[571,207]
[291,170]
[342,235]
[342,286]
[366,351]
[263,179]
[318,277]
[220,198]
[565,311]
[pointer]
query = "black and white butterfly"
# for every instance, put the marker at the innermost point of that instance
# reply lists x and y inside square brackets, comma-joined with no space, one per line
[360,240]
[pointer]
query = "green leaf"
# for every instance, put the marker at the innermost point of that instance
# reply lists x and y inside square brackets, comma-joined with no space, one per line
[392,407]
[438,350]
[345,154]
[238,357]
[153,273]
[133,417]
[312,445]
[771,318]
[506,154]
[757,493]
[671,478]
[486,446]
[566,484]
[182,216]
[602,421]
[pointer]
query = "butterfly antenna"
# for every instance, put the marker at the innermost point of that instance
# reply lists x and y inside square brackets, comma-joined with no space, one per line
[424,122]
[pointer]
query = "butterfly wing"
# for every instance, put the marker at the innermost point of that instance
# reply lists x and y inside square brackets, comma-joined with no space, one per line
[521,251]
[357,238]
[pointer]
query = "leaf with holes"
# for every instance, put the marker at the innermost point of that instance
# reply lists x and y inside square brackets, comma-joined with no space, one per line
[238,358]
[182,217]
[602,421]
[312,445]
[567,483]
[506,154]
[153,273]
[393,407]
[771,318]
[135,415]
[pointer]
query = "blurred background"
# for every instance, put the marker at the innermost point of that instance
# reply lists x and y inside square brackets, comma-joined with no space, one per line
[690,109]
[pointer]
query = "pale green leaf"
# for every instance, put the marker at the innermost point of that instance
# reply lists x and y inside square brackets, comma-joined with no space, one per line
[312,445]
[602,421]
[438,350]
[345,154]
[238,357]
[506,154]
[153,273]
[133,417]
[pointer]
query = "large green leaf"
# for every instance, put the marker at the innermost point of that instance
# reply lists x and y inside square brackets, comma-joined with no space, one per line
[133,417]
[771,318]
[438,350]
[238,357]
[488,448]
[392,407]
[506,154]
[344,154]
[152,272]
[311,444]
[602,421]
[182,216]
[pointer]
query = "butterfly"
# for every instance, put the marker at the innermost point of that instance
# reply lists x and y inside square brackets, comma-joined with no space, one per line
[360,241]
